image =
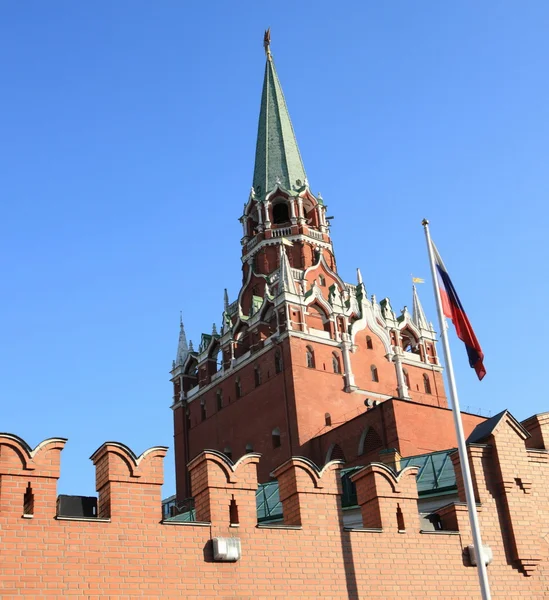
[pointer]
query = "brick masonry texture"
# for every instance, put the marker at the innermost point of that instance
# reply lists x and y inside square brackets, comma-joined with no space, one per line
[130,553]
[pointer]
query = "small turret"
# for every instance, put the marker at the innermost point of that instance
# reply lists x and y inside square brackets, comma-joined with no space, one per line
[418,315]
[287,283]
[182,347]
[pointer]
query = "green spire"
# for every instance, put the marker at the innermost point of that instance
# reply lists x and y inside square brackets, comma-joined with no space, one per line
[277,158]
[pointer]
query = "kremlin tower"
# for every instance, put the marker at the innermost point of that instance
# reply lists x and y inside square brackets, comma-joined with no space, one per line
[303,362]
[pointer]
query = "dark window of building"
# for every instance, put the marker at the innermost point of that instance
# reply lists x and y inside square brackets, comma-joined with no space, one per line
[328,419]
[28,501]
[276,437]
[426,383]
[369,343]
[335,363]
[257,376]
[322,280]
[249,448]
[373,370]
[233,512]
[406,377]
[219,399]
[278,362]
[238,387]
[310,358]
[281,213]
[203,411]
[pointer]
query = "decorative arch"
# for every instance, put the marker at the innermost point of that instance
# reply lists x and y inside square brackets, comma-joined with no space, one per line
[281,211]
[369,441]
[317,318]
[409,341]
[335,453]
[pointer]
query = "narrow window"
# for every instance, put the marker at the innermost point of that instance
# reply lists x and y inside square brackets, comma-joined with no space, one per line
[203,411]
[310,358]
[375,376]
[335,363]
[249,448]
[219,399]
[400,519]
[406,378]
[28,501]
[233,512]
[278,362]
[188,418]
[322,280]
[426,383]
[257,376]
[228,452]
[276,437]
[237,387]
[328,420]
[369,344]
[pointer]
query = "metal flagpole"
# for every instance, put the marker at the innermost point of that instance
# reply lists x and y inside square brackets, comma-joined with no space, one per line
[462,448]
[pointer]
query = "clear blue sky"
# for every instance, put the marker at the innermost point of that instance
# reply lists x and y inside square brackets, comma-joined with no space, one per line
[128,137]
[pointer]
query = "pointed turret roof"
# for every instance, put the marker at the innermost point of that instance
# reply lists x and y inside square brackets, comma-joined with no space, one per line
[277,157]
[418,314]
[287,282]
[182,347]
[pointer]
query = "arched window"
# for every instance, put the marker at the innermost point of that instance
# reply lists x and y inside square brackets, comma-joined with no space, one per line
[238,387]
[373,371]
[335,363]
[203,410]
[426,383]
[219,399]
[276,437]
[278,361]
[328,420]
[249,448]
[228,452]
[369,440]
[310,358]
[281,213]
[335,453]
[406,378]
[322,280]
[257,376]
[369,343]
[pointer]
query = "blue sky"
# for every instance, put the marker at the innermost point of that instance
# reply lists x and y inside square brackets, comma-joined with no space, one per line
[128,135]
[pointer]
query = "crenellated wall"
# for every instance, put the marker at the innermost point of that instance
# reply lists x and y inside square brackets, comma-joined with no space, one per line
[128,552]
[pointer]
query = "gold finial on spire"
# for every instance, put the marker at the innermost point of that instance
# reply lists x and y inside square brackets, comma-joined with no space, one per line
[267,43]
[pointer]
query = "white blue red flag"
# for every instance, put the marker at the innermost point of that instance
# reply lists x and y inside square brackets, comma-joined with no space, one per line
[453,309]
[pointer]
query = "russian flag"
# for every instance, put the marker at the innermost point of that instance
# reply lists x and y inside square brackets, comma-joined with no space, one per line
[453,309]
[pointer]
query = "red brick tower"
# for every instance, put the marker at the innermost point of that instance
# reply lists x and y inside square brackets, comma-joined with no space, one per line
[300,352]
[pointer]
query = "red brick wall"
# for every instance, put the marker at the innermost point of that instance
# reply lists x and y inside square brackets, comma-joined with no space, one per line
[249,419]
[409,427]
[133,555]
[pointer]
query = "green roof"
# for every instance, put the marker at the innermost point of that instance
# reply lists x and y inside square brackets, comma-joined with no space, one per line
[436,476]
[277,157]
[436,471]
